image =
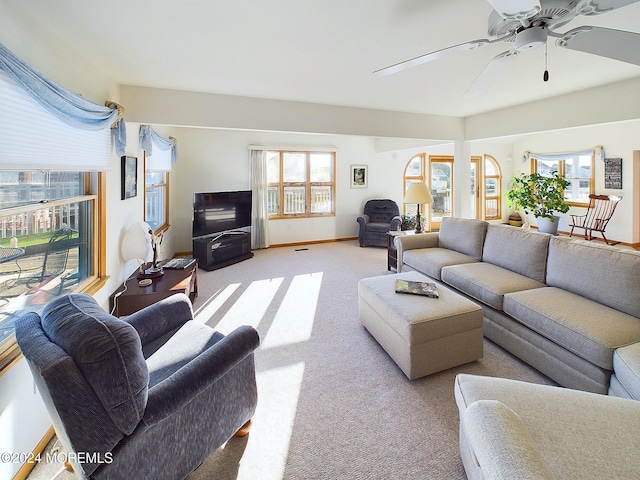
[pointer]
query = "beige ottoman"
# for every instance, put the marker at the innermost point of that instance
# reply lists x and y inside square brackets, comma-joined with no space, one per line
[422,335]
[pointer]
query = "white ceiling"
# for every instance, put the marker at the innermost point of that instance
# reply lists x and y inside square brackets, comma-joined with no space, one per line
[320,51]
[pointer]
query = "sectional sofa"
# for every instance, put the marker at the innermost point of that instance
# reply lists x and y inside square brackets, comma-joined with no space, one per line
[563,306]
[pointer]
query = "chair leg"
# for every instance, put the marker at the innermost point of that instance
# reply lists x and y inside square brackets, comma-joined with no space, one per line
[244,430]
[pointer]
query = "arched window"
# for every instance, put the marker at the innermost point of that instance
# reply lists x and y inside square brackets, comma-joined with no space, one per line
[437,172]
[492,191]
[414,171]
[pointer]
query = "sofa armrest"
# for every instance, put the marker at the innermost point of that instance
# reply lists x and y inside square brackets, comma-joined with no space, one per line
[172,393]
[363,219]
[411,242]
[503,447]
[395,223]
[156,320]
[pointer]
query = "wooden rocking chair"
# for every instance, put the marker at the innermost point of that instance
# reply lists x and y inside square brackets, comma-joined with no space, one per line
[599,212]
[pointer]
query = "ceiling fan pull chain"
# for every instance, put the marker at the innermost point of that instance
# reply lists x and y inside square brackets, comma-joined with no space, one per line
[545,76]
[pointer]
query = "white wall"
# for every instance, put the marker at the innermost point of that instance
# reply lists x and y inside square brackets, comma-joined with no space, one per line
[218,160]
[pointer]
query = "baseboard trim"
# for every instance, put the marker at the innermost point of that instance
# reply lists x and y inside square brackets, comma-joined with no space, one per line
[312,242]
[24,471]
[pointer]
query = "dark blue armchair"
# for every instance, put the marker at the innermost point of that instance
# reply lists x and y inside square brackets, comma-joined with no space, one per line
[148,396]
[379,217]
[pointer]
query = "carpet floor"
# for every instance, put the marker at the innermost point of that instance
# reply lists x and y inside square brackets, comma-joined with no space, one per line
[332,404]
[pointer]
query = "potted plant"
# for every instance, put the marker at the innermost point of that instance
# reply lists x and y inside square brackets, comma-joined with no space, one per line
[540,195]
[408,222]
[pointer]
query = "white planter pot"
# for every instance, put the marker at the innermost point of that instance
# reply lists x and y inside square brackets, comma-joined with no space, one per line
[548,225]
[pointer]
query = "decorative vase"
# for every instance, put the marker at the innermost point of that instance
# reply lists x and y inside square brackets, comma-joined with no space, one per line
[548,225]
[515,220]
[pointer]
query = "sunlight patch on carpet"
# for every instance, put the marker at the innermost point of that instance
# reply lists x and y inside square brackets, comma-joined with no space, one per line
[274,420]
[294,321]
[250,308]
[213,304]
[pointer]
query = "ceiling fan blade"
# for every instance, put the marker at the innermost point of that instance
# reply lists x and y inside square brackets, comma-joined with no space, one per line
[606,42]
[516,9]
[596,7]
[489,74]
[429,57]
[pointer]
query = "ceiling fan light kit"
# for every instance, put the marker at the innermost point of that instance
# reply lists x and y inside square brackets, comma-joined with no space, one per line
[527,24]
[531,38]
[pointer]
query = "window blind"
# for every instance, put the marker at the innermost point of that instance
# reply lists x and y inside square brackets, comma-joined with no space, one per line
[31,138]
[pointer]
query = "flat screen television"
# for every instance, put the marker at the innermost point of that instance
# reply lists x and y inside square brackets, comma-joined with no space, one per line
[218,212]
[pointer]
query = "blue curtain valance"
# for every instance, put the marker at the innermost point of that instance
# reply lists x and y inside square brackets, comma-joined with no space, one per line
[150,139]
[67,106]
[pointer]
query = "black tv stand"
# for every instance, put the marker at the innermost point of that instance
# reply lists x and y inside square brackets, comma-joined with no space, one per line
[222,250]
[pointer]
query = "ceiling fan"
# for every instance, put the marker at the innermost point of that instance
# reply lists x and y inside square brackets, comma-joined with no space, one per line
[527,24]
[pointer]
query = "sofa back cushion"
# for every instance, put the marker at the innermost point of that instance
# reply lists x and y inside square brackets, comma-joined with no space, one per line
[381,211]
[521,251]
[607,275]
[106,350]
[464,235]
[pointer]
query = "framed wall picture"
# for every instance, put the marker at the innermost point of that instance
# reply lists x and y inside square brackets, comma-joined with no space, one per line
[359,176]
[613,173]
[129,177]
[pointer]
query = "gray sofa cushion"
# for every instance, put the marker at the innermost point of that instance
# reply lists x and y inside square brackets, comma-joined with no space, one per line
[605,275]
[107,351]
[486,282]
[588,329]
[463,235]
[431,260]
[521,251]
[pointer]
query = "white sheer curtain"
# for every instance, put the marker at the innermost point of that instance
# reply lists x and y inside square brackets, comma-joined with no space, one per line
[259,213]
[597,151]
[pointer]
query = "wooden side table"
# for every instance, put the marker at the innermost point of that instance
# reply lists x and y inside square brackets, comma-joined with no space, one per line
[135,297]
[392,251]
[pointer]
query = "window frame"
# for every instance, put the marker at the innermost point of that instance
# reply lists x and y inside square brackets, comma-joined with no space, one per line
[562,172]
[165,186]
[307,184]
[95,191]
[498,196]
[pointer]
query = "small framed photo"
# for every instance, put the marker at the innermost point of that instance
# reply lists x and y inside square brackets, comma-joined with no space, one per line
[359,176]
[129,173]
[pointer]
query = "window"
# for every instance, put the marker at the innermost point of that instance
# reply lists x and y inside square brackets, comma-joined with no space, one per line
[492,192]
[436,171]
[414,172]
[577,169]
[49,240]
[156,198]
[300,184]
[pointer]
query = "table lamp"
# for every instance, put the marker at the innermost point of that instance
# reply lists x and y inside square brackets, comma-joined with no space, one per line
[136,243]
[419,194]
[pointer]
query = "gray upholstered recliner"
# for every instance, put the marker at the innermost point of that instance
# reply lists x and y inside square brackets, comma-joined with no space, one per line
[380,216]
[148,396]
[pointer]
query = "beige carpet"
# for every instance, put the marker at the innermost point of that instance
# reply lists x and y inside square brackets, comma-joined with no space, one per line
[332,404]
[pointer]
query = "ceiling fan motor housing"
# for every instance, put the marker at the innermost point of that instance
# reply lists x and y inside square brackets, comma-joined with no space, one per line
[531,38]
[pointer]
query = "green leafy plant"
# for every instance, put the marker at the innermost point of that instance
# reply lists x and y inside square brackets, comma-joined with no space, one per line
[408,222]
[538,194]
